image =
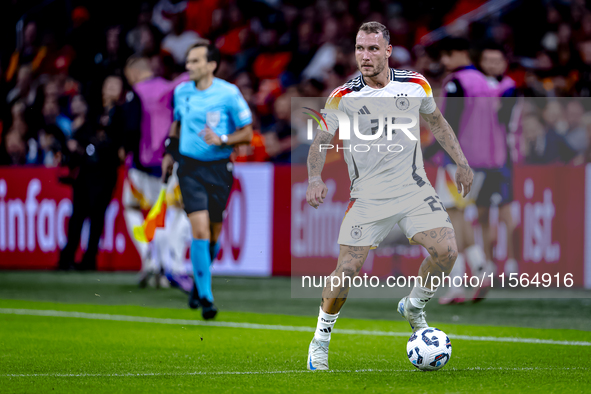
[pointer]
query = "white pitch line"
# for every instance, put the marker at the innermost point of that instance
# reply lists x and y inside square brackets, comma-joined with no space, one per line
[142,319]
[130,375]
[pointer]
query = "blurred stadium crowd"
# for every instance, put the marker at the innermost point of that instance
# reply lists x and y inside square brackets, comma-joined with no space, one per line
[62,65]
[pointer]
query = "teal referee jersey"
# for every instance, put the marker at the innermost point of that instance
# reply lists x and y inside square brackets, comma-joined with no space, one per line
[220,106]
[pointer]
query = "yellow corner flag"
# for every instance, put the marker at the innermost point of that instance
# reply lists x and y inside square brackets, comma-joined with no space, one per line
[154,220]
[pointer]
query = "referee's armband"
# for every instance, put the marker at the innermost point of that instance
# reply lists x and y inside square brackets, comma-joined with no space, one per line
[171,146]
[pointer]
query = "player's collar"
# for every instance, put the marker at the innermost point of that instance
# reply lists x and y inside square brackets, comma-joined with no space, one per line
[391,78]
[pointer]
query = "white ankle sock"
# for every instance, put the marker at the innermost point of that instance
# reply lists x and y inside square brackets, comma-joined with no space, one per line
[476,259]
[325,324]
[511,267]
[419,296]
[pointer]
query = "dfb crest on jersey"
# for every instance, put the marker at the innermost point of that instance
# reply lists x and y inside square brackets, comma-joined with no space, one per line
[212,119]
[402,103]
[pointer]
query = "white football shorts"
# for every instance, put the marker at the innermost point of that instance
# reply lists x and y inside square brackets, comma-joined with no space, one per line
[367,222]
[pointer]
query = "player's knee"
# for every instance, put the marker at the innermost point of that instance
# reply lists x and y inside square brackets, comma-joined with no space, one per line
[347,270]
[201,233]
[350,271]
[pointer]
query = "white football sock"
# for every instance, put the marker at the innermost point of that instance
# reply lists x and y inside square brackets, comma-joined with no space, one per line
[476,258]
[490,268]
[511,267]
[419,296]
[325,325]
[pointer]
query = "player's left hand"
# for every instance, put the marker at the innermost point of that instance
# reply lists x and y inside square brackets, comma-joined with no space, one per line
[210,137]
[464,178]
[316,192]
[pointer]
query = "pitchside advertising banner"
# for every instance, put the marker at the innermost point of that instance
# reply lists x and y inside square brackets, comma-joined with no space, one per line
[34,212]
[270,228]
[35,208]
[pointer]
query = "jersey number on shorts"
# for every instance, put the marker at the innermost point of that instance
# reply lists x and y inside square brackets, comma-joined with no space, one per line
[431,201]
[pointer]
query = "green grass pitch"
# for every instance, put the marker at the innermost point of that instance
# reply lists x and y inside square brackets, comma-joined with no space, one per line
[98,333]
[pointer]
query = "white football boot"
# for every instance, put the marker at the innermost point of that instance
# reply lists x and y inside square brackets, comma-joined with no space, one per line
[317,355]
[415,316]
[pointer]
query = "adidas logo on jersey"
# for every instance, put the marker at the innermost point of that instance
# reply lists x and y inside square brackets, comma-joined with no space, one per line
[363,111]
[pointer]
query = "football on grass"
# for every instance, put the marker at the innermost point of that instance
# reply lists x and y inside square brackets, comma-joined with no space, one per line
[428,349]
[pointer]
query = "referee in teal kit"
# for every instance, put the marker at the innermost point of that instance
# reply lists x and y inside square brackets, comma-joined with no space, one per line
[210,116]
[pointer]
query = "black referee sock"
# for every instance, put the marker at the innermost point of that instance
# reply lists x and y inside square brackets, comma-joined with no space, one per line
[214,249]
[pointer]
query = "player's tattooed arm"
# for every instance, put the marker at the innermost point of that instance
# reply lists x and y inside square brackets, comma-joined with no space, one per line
[446,137]
[316,157]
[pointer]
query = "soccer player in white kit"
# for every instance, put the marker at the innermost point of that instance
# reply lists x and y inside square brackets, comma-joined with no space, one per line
[388,186]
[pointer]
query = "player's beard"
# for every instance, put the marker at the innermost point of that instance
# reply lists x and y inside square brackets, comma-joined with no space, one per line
[377,70]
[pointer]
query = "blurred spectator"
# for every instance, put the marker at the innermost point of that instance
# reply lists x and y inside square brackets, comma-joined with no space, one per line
[553,116]
[142,38]
[273,59]
[13,150]
[17,113]
[100,153]
[179,40]
[543,146]
[235,33]
[576,135]
[200,15]
[111,59]
[162,11]
[324,58]
[24,88]
[278,141]
[584,83]
[79,112]
[59,56]
[52,116]
[31,53]
[47,148]
[256,151]
[587,124]
[81,31]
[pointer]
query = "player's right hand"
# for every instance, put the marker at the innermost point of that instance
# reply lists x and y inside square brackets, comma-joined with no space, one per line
[464,178]
[167,164]
[316,192]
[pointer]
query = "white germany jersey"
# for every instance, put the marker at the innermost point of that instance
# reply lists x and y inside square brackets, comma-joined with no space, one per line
[382,165]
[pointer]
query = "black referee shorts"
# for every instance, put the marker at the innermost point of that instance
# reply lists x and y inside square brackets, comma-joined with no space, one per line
[205,185]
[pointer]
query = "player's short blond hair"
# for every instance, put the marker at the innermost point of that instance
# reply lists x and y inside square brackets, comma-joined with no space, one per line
[376,27]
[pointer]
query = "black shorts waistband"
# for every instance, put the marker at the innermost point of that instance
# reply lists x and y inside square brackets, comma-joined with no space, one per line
[192,161]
